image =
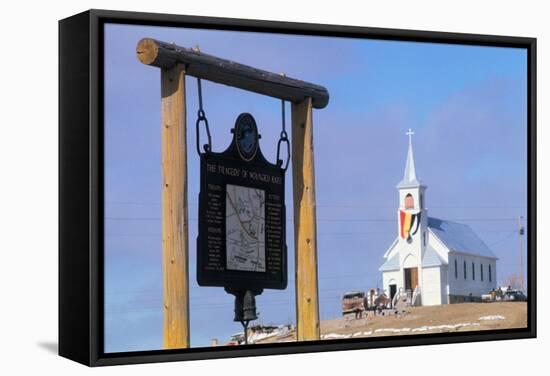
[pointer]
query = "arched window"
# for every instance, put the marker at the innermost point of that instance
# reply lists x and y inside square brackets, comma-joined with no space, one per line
[409,201]
[490,274]
[464,269]
[481,271]
[456,269]
[473,271]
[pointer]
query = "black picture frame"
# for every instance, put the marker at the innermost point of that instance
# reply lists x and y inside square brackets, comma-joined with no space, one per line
[81,182]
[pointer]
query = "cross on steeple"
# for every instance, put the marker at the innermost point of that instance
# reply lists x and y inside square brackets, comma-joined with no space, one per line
[410,133]
[409,177]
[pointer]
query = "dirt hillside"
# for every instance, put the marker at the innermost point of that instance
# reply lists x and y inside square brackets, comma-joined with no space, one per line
[418,320]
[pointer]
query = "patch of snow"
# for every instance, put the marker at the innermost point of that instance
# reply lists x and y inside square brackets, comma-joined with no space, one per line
[424,328]
[444,326]
[335,336]
[492,317]
[392,330]
[420,329]
[253,338]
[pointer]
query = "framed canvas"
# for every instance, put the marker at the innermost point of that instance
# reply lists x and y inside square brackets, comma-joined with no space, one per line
[235,187]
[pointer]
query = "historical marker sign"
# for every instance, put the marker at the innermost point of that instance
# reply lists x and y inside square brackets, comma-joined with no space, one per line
[242,216]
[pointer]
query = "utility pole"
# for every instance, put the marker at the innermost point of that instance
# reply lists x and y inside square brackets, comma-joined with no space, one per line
[521,232]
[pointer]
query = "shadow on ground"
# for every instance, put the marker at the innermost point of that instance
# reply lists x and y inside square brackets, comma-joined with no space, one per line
[49,346]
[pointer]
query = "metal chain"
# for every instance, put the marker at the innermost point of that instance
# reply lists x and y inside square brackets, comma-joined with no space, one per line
[283,138]
[201,116]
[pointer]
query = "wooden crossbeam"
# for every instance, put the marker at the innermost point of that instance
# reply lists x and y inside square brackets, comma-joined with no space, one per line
[227,72]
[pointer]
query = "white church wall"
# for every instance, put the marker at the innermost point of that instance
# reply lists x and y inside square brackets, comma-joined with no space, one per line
[409,253]
[431,287]
[393,277]
[410,261]
[444,283]
[473,284]
[413,248]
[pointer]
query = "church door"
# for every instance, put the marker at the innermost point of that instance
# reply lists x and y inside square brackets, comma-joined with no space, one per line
[411,278]
[393,291]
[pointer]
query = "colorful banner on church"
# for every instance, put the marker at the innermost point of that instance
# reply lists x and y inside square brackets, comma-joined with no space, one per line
[407,221]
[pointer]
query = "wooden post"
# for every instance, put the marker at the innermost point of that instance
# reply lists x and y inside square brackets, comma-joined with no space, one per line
[305,226]
[175,243]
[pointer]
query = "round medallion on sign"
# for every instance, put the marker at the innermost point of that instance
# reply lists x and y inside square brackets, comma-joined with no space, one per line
[246,136]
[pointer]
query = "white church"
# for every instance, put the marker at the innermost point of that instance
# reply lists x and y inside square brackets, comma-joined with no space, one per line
[433,260]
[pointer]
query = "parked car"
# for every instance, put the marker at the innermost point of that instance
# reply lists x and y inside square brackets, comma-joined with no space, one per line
[514,295]
[504,294]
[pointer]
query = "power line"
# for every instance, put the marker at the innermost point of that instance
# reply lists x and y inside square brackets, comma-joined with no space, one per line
[217,305]
[328,219]
[329,277]
[350,205]
[503,239]
[318,234]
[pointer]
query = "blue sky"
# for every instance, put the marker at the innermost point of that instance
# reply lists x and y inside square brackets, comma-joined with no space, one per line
[467,105]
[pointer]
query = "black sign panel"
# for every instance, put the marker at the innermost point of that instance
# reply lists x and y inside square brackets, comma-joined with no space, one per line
[242,214]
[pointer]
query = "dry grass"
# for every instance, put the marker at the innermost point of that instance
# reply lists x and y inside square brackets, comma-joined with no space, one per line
[514,313]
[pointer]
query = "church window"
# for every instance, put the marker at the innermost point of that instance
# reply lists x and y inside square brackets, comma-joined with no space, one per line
[464,269]
[481,270]
[409,201]
[473,271]
[456,269]
[424,237]
[490,274]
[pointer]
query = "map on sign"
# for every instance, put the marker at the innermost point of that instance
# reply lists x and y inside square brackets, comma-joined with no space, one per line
[245,228]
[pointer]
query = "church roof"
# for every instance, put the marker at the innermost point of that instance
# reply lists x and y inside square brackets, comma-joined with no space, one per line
[409,177]
[459,237]
[391,264]
[432,258]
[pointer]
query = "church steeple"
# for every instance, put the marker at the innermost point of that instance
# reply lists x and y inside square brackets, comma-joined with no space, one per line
[409,177]
[412,217]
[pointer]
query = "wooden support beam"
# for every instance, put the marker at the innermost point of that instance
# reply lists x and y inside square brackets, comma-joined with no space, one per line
[201,65]
[305,226]
[175,244]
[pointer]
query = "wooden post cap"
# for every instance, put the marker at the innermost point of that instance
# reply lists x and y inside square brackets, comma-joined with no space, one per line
[147,51]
